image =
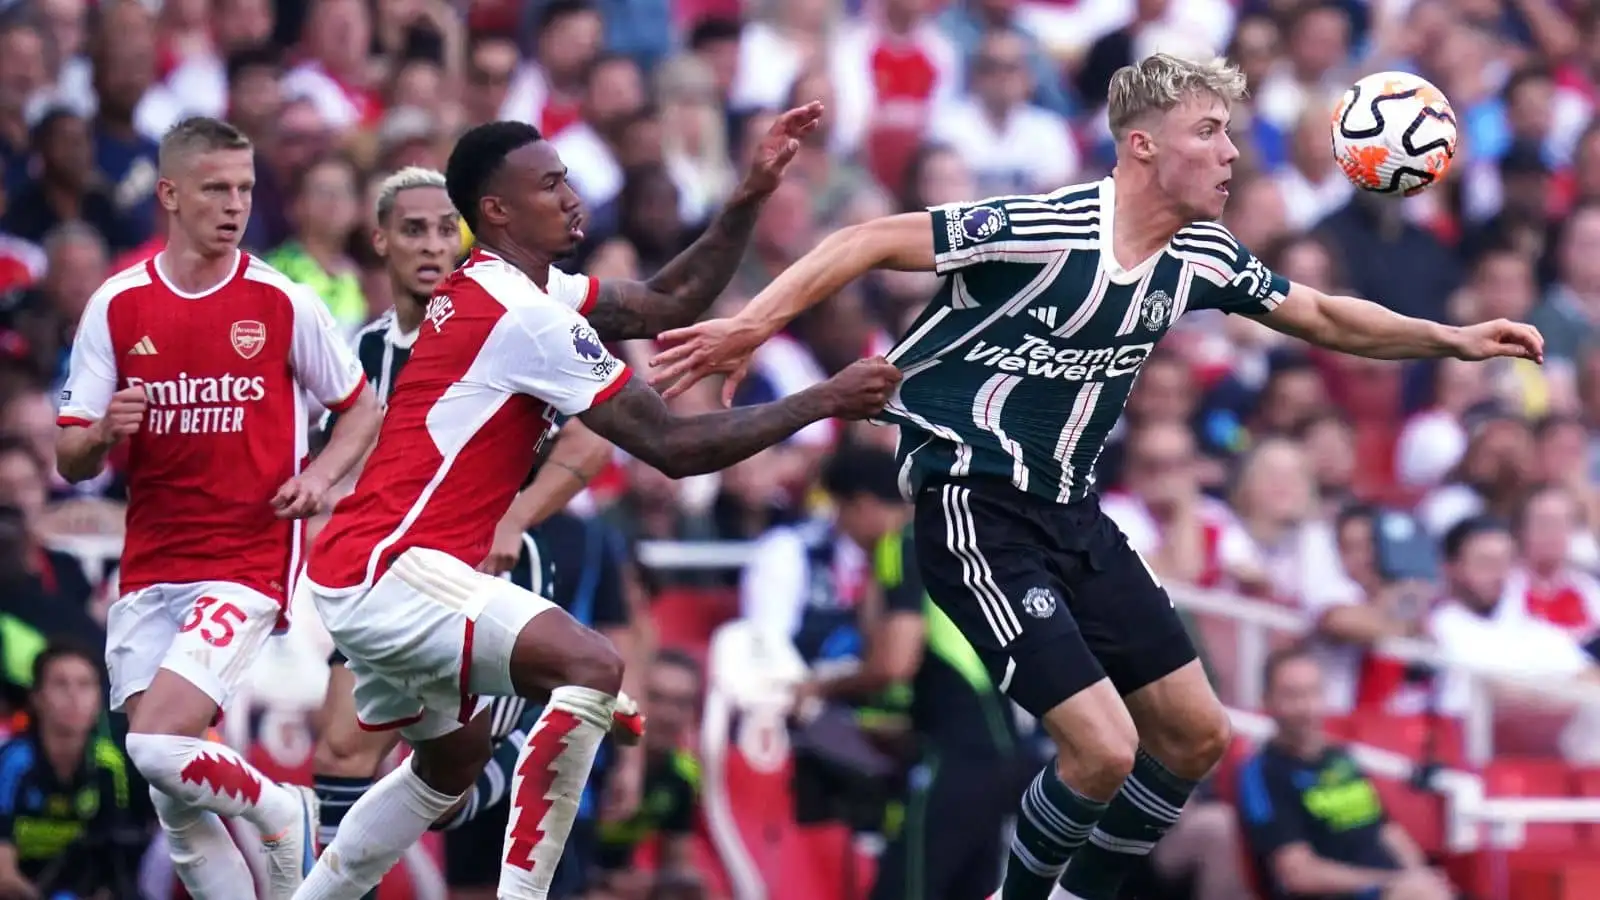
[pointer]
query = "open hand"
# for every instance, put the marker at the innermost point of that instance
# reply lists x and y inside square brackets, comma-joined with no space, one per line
[862,388]
[779,146]
[713,346]
[1501,337]
[301,496]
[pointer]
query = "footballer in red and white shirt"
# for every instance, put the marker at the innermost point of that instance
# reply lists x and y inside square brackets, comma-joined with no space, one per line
[507,343]
[198,359]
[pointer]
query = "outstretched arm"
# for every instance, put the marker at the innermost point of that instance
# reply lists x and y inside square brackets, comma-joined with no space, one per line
[1363,328]
[686,287]
[904,242]
[638,420]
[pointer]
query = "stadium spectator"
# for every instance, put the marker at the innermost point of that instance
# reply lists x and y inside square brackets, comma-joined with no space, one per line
[67,825]
[325,215]
[670,799]
[1378,592]
[1475,625]
[1314,825]
[1011,145]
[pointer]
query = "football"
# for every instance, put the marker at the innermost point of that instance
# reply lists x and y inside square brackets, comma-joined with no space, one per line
[1394,133]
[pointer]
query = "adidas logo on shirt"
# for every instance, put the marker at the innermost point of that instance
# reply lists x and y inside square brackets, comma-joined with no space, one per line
[145,347]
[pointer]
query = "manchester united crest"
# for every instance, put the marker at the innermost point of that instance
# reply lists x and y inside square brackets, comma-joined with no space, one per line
[248,337]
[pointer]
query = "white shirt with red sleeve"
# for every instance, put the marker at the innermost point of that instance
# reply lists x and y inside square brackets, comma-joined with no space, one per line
[577,292]
[92,370]
[496,359]
[223,372]
[324,363]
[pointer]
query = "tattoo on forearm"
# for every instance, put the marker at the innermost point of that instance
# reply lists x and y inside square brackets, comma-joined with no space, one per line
[638,421]
[686,287]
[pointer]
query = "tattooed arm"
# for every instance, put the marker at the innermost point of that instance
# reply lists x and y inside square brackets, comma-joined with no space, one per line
[686,287]
[638,420]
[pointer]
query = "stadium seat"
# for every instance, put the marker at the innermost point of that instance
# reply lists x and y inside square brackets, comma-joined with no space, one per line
[685,618]
[1586,783]
[1514,777]
[1419,812]
[1410,736]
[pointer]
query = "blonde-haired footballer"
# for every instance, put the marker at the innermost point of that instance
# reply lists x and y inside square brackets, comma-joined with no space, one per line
[1012,379]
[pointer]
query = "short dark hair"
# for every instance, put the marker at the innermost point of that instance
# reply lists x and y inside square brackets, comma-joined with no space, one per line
[1523,77]
[556,10]
[1281,657]
[198,134]
[673,656]
[62,648]
[261,56]
[855,471]
[1460,534]
[713,29]
[477,158]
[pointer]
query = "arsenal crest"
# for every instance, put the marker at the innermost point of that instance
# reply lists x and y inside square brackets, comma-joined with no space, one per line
[248,337]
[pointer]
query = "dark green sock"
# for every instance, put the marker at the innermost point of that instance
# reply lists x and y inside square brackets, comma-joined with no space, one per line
[1053,820]
[1140,815]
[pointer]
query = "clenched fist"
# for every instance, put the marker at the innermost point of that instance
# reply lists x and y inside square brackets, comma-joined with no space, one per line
[124,415]
[862,389]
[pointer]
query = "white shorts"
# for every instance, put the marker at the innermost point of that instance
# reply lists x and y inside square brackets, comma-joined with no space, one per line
[426,641]
[206,632]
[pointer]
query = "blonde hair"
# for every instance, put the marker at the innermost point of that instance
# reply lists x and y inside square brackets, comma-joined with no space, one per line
[406,179]
[1161,81]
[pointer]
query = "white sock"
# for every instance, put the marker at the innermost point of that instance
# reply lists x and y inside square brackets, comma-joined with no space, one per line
[204,855]
[375,833]
[211,776]
[547,787]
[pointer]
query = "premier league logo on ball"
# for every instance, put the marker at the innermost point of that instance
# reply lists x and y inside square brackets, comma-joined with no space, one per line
[982,222]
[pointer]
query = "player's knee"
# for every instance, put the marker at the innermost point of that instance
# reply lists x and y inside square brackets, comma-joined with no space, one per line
[345,751]
[157,757]
[1200,747]
[596,665]
[1097,767]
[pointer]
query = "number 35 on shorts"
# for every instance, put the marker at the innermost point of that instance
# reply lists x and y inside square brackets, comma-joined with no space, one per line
[218,621]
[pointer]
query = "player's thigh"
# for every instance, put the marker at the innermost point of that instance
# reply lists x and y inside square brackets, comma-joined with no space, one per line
[222,628]
[1126,616]
[139,631]
[987,574]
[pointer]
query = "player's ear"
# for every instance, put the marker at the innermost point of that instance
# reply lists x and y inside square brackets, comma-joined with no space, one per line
[493,210]
[1142,145]
[167,194]
[380,241]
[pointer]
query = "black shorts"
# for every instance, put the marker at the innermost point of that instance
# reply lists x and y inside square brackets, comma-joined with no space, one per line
[1050,595]
[337,658]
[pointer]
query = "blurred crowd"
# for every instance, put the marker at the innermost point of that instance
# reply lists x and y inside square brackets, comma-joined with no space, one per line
[1451,503]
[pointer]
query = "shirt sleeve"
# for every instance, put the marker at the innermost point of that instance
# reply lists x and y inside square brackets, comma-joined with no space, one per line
[322,360]
[1238,282]
[577,292]
[1017,229]
[1269,808]
[559,359]
[678,817]
[903,588]
[92,370]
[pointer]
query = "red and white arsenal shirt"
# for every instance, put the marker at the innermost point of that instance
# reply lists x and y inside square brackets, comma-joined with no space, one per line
[225,371]
[496,359]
